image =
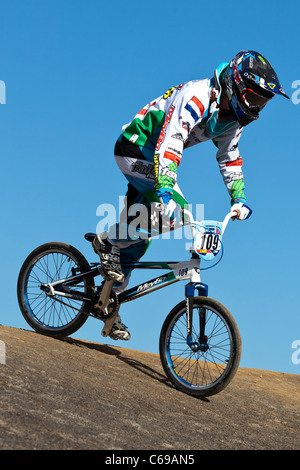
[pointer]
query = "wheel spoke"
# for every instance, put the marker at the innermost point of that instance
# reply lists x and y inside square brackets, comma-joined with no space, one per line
[52,312]
[198,368]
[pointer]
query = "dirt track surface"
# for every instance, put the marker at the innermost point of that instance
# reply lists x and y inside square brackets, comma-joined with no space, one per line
[72,394]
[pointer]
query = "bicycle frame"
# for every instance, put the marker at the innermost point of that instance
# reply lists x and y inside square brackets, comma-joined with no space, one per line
[179,271]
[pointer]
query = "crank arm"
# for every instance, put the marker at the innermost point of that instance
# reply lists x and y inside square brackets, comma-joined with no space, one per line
[108,325]
[103,301]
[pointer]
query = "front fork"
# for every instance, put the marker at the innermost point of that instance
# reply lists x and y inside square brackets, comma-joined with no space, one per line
[201,344]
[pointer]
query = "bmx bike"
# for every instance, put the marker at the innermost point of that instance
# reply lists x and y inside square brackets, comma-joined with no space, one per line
[200,343]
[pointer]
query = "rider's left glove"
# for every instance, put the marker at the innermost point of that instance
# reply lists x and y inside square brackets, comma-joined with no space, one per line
[243,211]
[170,209]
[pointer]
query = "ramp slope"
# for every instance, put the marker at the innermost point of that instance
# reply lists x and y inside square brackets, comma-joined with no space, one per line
[73,394]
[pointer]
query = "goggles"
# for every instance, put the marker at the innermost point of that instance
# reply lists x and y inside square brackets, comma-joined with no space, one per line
[253,99]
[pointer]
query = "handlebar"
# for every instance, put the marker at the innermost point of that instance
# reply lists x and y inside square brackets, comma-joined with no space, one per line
[192,222]
[207,235]
[229,216]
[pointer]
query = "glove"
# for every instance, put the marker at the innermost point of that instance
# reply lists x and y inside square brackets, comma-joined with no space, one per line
[170,209]
[242,210]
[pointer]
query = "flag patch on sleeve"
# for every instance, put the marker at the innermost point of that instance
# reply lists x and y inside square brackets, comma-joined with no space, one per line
[195,108]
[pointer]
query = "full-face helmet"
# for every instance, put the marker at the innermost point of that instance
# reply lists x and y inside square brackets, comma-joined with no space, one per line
[250,82]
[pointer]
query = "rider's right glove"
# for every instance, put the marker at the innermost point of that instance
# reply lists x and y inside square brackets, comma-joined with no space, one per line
[170,209]
[243,211]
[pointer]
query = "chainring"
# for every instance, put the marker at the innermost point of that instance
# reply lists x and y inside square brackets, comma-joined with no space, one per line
[111,309]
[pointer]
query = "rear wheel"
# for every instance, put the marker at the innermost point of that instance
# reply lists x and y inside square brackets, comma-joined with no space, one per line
[209,362]
[57,315]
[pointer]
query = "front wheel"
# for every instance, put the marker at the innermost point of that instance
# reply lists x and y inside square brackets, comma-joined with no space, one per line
[55,316]
[204,364]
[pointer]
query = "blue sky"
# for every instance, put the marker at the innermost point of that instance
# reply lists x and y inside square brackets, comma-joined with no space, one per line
[75,72]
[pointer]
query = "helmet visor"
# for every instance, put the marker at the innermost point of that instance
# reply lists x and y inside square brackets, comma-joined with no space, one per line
[253,100]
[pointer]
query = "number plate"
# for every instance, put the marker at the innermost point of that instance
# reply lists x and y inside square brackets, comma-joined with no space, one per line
[207,242]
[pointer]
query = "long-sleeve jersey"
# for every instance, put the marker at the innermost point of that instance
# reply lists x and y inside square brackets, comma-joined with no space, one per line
[180,118]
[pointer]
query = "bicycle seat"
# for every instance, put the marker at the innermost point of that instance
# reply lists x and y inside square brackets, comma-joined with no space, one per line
[89,236]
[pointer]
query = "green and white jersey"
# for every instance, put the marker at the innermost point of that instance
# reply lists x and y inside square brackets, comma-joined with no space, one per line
[174,121]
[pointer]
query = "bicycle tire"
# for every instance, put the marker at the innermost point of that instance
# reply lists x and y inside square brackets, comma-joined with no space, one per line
[47,315]
[201,373]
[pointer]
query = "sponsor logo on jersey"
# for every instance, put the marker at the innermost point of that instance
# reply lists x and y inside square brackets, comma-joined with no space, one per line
[146,170]
[164,128]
